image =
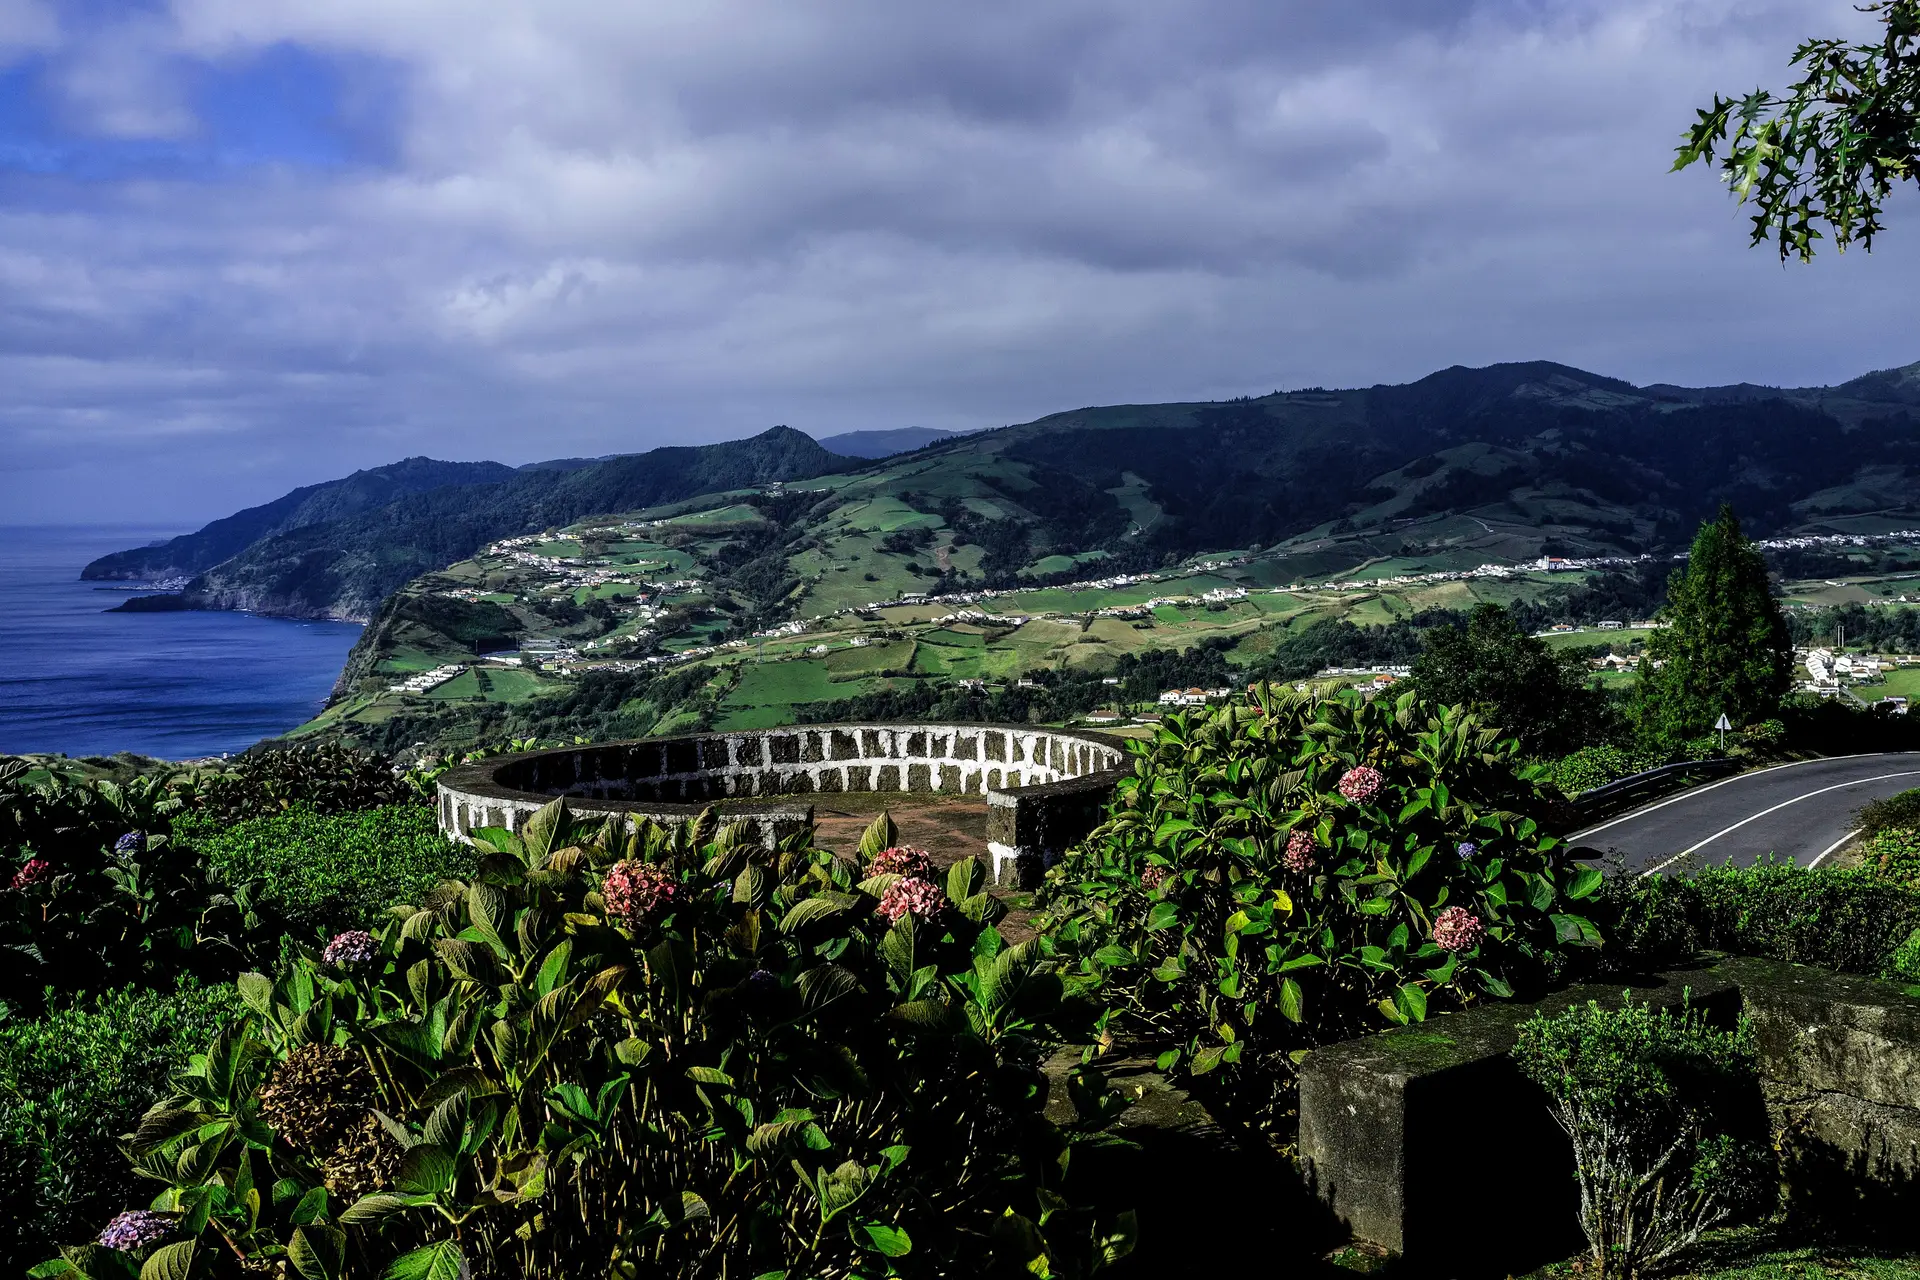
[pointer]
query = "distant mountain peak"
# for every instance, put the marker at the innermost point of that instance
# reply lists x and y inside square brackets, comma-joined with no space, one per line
[884,444]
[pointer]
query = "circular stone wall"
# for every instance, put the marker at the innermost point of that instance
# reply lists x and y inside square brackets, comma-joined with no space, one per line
[1044,788]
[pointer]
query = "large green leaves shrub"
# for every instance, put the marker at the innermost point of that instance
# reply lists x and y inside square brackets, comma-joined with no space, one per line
[71,1083]
[565,1067]
[331,871]
[145,914]
[1230,944]
[327,778]
[1669,1132]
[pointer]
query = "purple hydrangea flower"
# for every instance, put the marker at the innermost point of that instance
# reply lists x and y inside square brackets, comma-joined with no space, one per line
[1458,929]
[922,899]
[1466,849]
[136,1229]
[1301,847]
[355,946]
[132,842]
[1153,877]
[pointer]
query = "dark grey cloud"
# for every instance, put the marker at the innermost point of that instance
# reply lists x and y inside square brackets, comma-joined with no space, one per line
[246,244]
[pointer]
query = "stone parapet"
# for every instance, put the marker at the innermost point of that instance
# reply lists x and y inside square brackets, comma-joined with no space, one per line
[1427,1141]
[1840,1070]
[1045,788]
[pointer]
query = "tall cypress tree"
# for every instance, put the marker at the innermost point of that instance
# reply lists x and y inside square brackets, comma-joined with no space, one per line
[1726,647]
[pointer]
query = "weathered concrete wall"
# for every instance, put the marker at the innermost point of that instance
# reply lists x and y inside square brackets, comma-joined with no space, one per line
[1840,1069]
[1044,787]
[1427,1140]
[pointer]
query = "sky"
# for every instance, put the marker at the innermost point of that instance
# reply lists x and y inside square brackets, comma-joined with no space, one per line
[252,244]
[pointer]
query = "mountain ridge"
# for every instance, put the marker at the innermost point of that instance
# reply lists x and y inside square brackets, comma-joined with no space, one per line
[1562,459]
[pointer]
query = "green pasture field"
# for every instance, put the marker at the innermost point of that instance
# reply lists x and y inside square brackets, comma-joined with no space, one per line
[1062,563]
[1902,682]
[1592,636]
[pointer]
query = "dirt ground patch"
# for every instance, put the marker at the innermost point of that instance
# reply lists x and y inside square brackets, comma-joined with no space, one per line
[948,827]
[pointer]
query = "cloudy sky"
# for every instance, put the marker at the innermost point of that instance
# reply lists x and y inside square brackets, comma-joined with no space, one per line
[249,244]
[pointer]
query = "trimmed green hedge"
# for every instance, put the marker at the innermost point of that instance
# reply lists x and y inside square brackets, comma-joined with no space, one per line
[1846,918]
[1591,767]
[70,1084]
[328,872]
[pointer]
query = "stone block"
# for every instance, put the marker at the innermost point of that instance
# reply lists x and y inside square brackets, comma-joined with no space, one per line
[1840,1062]
[1427,1141]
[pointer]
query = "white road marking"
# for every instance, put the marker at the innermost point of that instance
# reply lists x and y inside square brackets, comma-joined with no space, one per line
[1830,848]
[1838,786]
[1738,777]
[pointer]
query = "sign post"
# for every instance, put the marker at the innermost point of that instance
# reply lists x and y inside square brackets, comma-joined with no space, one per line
[1723,724]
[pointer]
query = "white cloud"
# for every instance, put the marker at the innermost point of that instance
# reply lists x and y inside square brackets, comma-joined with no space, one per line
[602,227]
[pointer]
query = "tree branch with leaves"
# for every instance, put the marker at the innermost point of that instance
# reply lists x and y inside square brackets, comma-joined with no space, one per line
[1830,150]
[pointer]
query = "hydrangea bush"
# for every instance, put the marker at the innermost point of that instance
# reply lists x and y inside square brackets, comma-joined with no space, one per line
[647,1054]
[1293,870]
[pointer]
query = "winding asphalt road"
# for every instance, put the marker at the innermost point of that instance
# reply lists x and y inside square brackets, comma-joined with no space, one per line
[1801,811]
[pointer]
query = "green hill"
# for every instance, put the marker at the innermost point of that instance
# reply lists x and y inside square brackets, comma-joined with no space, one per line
[343,567]
[659,617]
[360,492]
[1501,463]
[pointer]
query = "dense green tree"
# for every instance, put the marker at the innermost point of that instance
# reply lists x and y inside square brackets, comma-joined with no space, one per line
[1726,648]
[1830,150]
[1514,680]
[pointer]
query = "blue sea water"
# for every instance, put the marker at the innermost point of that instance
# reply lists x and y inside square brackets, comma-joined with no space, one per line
[77,679]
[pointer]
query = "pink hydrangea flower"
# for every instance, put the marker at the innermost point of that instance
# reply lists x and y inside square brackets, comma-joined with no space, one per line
[635,890]
[1301,846]
[1458,929]
[36,871]
[902,860]
[1153,877]
[355,946]
[136,1229]
[1361,784]
[922,899]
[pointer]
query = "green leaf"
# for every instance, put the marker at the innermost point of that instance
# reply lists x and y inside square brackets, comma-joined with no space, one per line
[818,907]
[372,1208]
[750,886]
[878,836]
[553,971]
[1586,882]
[1163,916]
[425,1170]
[446,1126]
[256,989]
[1413,1002]
[434,1262]
[1115,957]
[709,1075]
[312,1206]
[1290,1002]
[318,1253]
[924,1015]
[169,1262]
[891,1241]
[1577,931]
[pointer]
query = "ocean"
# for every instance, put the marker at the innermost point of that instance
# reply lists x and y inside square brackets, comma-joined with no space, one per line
[77,679]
